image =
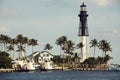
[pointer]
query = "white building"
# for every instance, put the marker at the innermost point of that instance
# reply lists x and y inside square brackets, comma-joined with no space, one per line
[23,65]
[37,60]
[43,58]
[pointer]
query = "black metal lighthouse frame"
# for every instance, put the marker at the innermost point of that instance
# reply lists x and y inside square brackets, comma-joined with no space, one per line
[83,29]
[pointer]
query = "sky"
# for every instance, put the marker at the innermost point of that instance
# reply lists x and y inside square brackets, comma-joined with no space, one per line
[47,20]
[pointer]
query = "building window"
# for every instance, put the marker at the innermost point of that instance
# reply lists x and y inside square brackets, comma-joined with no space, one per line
[43,55]
[47,55]
[45,60]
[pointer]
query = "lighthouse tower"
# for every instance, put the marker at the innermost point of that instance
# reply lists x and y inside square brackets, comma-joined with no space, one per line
[83,34]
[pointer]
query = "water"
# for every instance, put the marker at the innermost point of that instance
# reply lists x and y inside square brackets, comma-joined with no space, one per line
[61,75]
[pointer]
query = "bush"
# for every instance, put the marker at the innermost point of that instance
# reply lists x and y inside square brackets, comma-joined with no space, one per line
[5,60]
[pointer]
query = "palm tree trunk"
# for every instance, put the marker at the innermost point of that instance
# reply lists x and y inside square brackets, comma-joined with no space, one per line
[60,51]
[1,47]
[32,49]
[13,52]
[103,57]
[13,55]
[81,57]
[94,52]
[4,47]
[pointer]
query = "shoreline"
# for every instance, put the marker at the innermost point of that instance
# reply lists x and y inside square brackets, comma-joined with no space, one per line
[84,69]
[7,70]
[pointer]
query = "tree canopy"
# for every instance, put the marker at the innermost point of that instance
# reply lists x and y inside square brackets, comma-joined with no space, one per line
[5,60]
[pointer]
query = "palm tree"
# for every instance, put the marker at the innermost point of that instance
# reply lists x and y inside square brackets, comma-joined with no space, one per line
[68,47]
[33,43]
[80,46]
[21,49]
[13,43]
[94,44]
[76,57]
[19,39]
[61,41]
[25,40]
[19,43]
[48,47]
[1,41]
[10,48]
[107,58]
[105,47]
[4,39]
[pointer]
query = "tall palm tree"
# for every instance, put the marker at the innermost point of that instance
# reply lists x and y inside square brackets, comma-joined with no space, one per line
[94,44]
[25,42]
[33,43]
[61,41]
[20,39]
[21,51]
[68,47]
[80,46]
[1,41]
[48,47]
[4,39]
[105,47]
[19,43]
[13,43]
[10,48]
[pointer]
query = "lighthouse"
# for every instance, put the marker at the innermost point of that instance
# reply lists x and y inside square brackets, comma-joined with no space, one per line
[83,34]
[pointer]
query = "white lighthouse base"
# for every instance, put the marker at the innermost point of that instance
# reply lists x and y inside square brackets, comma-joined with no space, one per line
[82,53]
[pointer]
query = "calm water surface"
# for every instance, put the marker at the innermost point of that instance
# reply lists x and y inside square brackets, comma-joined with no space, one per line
[61,75]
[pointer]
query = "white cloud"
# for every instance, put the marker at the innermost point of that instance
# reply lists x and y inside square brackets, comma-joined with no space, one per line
[53,21]
[115,31]
[47,1]
[102,2]
[8,12]
[4,29]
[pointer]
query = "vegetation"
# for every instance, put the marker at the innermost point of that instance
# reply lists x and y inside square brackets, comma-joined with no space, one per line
[48,47]
[32,42]
[105,46]
[94,44]
[61,42]
[67,49]
[96,61]
[5,60]
[17,44]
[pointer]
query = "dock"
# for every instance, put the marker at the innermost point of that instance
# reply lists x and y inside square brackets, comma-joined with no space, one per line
[7,70]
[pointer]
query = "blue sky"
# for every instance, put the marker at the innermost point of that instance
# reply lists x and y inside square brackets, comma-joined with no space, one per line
[46,20]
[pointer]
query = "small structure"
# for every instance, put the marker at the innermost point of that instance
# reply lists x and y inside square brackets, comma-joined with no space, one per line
[23,65]
[37,60]
[44,59]
[114,67]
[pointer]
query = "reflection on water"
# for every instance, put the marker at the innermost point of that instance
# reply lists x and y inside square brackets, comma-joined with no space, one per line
[61,75]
